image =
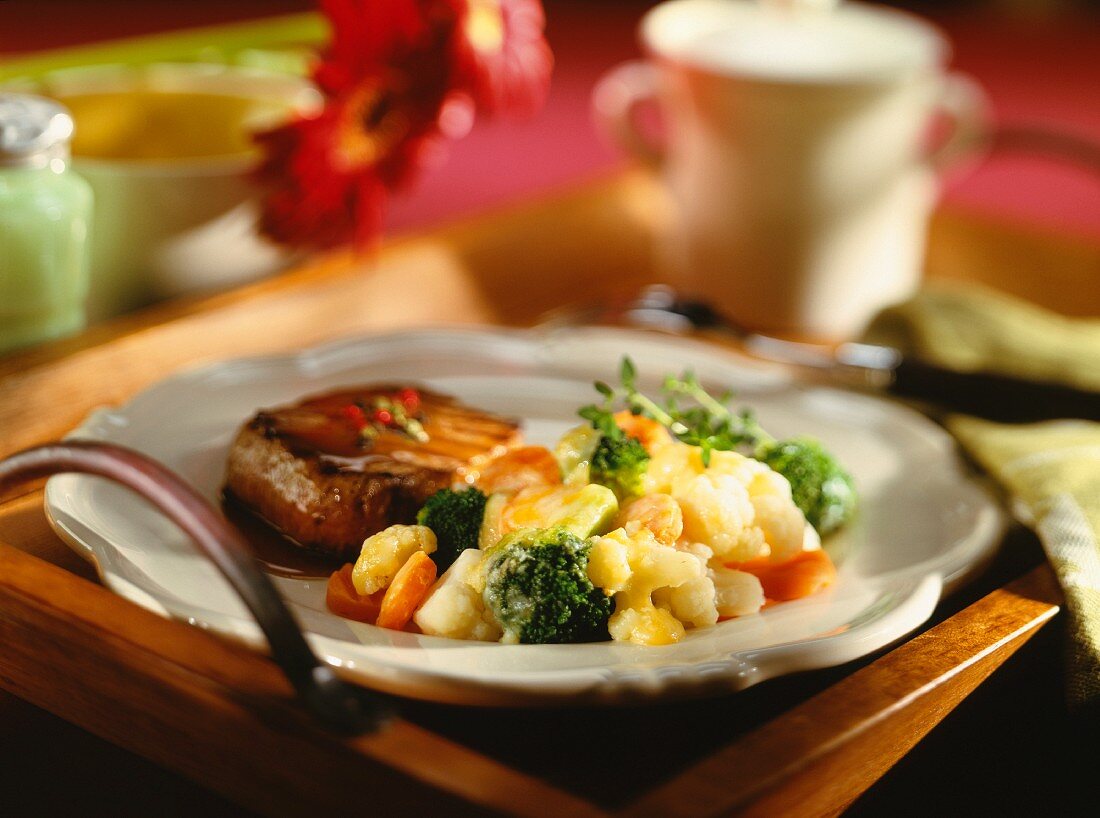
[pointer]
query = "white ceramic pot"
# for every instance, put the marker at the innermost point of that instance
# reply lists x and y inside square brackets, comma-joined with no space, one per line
[796,155]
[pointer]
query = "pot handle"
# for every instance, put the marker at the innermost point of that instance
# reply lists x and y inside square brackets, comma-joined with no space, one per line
[333,702]
[967,110]
[616,99]
[972,132]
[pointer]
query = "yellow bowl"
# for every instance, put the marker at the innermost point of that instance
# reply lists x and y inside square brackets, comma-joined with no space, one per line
[166,150]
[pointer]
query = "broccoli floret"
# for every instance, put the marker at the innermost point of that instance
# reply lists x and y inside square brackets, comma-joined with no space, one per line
[455,519]
[537,586]
[619,463]
[820,487]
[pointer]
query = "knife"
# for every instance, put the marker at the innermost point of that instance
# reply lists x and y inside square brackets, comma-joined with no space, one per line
[989,395]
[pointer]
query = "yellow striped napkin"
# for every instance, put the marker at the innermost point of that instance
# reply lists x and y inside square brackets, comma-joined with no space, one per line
[1051,470]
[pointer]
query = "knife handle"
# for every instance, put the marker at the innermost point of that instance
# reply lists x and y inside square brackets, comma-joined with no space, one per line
[995,397]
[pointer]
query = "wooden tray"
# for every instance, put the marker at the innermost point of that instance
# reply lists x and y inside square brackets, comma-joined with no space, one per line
[223,717]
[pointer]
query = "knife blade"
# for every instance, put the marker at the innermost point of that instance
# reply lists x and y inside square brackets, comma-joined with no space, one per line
[990,395]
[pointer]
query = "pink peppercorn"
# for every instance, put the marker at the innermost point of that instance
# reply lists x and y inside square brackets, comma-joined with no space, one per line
[355,415]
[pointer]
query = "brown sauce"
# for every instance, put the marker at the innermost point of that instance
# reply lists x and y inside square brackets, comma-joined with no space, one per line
[276,552]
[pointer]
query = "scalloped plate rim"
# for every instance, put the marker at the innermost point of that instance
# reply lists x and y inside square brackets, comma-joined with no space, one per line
[735,670]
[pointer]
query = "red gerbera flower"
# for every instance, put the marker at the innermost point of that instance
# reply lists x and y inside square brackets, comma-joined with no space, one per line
[371,34]
[398,75]
[503,53]
[386,76]
[327,176]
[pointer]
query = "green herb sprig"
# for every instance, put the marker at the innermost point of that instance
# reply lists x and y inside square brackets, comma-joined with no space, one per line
[820,486]
[601,416]
[690,413]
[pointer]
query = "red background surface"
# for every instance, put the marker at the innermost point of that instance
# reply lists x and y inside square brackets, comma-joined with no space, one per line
[1038,67]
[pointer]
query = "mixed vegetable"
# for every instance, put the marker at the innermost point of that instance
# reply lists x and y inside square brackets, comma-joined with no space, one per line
[651,519]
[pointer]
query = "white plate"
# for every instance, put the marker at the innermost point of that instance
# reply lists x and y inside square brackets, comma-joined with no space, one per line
[922,525]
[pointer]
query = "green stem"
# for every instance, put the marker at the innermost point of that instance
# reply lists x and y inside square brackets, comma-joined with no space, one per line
[705,400]
[656,412]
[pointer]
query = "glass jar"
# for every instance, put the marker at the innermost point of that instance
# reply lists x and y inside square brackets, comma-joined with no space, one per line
[45,210]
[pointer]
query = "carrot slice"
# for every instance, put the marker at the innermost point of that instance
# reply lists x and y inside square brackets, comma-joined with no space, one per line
[646,431]
[406,592]
[803,574]
[343,600]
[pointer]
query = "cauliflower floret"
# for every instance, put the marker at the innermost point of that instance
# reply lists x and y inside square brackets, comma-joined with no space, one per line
[736,592]
[783,525]
[384,553]
[735,464]
[693,602]
[737,506]
[608,562]
[647,625]
[654,567]
[782,522]
[811,540]
[454,606]
[669,463]
[763,480]
[674,466]
[696,549]
[719,513]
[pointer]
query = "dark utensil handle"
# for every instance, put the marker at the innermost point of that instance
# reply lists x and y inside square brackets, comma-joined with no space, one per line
[994,397]
[336,704]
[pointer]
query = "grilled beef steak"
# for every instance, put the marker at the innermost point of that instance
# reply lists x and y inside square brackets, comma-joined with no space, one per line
[334,469]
